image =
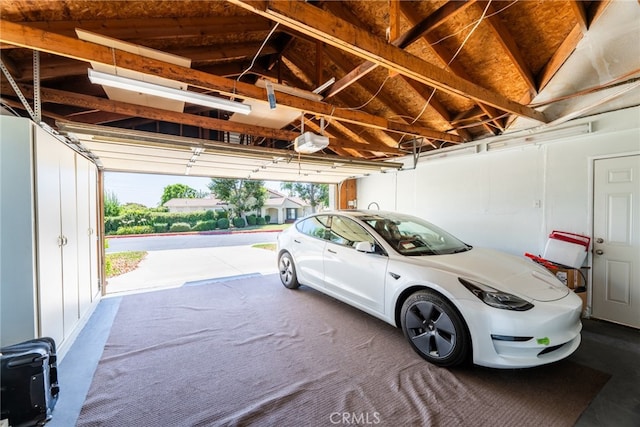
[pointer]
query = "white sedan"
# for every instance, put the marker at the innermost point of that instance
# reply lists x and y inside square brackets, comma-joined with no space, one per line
[455,303]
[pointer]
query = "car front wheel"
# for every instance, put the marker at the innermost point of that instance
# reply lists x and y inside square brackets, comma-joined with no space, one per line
[434,329]
[288,271]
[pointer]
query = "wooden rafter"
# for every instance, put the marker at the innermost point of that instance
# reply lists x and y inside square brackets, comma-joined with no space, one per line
[28,37]
[419,29]
[581,15]
[156,28]
[94,103]
[567,47]
[441,53]
[206,55]
[337,32]
[510,47]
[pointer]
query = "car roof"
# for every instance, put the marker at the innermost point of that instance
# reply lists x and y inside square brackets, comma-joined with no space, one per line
[357,213]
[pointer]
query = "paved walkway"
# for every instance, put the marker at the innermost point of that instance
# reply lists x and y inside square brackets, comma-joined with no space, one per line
[174,268]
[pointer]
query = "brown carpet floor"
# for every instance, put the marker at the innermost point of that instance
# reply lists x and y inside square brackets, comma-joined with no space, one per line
[250,352]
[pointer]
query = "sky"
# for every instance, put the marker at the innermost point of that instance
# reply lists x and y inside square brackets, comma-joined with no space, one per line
[147,189]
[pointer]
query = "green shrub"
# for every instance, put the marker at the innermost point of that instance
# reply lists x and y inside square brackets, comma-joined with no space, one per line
[221,213]
[223,223]
[134,229]
[204,226]
[209,215]
[112,223]
[161,227]
[261,221]
[251,220]
[239,222]
[108,268]
[180,227]
[267,219]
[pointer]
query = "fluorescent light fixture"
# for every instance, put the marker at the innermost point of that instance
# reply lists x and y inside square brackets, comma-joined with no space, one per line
[134,85]
[537,138]
[448,152]
[310,142]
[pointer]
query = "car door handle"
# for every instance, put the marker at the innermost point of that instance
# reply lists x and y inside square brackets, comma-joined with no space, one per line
[332,251]
[297,241]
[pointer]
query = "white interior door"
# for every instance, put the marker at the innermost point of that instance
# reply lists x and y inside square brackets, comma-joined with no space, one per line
[616,247]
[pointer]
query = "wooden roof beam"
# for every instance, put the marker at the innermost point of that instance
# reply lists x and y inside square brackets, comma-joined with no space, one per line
[418,30]
[436,105]
[206,55]
[56,44]
[567,47]
[509,45]
[94,103]
[339,33]
[158,28]
[444,55]
[581,15]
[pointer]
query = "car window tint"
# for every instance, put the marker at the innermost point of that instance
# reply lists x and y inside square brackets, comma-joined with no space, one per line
[315,226]
[347,232]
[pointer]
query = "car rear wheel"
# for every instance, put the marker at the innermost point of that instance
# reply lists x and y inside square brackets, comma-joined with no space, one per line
[434,329]
[288,271]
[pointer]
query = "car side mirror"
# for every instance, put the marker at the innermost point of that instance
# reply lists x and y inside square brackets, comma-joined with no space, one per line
[367,247]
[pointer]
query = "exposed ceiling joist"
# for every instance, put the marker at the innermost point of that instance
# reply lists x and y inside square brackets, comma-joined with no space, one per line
[419,29]
[25,36]
[324,26]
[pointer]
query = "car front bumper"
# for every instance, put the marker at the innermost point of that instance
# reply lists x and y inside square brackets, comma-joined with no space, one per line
[549,332]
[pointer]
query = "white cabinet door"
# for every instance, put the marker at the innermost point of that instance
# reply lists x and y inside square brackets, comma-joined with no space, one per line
[93,221]
[69,216]
[50,240]
[84,235]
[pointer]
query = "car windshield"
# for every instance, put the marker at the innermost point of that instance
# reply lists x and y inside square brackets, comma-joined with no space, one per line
[413,236]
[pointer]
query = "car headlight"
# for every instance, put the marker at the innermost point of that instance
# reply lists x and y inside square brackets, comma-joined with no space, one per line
[494,297]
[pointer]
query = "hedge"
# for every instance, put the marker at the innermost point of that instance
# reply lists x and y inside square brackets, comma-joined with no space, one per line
[135,229]
[139,217]
[251,220]
[205,226]
[239,222]
[180,227]
[261,221]
[223,223]
[161,227]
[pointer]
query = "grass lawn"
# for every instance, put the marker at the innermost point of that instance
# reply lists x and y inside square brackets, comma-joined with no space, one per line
[268,246]
[122,262]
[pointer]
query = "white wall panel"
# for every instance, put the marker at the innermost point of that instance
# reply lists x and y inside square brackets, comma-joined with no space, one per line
[508,199]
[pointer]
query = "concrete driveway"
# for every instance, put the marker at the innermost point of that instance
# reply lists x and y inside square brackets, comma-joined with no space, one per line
[174,268]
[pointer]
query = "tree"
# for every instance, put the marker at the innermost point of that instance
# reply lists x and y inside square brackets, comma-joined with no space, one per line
[243,195]
[111,204]
[177,191]
[314,194]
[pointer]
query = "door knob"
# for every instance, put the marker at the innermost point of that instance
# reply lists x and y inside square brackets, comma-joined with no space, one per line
[599,251]
[599,240]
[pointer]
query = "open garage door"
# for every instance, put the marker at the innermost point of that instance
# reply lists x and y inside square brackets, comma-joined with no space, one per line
[118,150]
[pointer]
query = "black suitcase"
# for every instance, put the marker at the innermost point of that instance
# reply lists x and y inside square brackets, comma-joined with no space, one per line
[29,382]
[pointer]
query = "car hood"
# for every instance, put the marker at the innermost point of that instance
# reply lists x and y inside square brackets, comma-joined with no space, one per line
[502,271]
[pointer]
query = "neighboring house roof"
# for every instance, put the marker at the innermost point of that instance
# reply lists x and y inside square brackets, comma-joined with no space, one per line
[274,199]
[206,203]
